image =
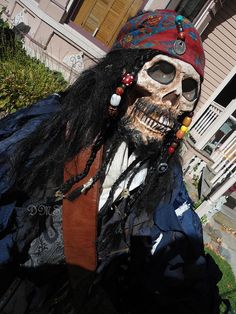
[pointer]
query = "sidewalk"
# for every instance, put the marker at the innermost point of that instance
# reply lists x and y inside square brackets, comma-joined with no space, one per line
[220,233]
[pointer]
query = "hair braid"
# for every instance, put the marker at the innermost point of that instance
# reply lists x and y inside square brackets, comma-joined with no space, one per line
[66,186]
[116,184]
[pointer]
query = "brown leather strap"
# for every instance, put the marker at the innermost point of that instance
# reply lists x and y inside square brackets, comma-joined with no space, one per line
[80,215]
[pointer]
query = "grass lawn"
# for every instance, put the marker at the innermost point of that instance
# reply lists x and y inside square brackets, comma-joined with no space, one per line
[227,285]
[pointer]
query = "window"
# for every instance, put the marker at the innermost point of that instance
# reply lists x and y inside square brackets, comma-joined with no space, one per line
[224,132]
[187,8]
[228,93]
[190,8]
[104,18]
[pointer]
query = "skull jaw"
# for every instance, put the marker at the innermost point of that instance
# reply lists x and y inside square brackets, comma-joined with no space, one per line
[146,133]
[149,126]
[139,133]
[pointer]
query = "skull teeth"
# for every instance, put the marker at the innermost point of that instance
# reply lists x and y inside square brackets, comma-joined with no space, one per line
[160,125]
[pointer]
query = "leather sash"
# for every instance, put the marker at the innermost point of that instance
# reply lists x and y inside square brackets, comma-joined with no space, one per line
[80,216]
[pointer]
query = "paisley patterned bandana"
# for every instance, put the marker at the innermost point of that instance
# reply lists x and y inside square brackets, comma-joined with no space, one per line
[158,30]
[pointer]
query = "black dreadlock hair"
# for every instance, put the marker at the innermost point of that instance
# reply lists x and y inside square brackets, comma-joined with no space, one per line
[81,121]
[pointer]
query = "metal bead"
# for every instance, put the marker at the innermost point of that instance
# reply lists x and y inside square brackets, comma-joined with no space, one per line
[174,144]
[112,111]
[179,47]
[162,167]
[180,28]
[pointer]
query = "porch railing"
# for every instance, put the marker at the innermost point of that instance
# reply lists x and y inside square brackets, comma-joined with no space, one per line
[224,160]
[206,120]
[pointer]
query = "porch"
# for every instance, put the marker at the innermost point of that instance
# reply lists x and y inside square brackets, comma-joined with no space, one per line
[212,140]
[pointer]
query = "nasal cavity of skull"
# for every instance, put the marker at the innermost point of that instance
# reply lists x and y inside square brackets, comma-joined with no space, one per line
[171,97]
[141,91]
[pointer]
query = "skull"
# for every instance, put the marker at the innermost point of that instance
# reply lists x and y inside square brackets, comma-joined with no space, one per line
[168,88]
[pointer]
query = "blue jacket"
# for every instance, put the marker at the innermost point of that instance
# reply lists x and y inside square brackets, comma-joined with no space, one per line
[166,255]
[13,129]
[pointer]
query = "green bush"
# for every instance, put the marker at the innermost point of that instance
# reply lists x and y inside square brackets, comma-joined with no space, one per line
[23,80]
[227,285]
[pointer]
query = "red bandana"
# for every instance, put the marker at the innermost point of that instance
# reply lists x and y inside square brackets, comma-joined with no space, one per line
[157,30]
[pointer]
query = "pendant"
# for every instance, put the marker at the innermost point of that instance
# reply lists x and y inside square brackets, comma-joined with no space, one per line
[179,47]
[162,167]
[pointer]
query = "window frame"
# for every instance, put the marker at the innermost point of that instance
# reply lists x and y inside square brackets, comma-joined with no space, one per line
[76,5]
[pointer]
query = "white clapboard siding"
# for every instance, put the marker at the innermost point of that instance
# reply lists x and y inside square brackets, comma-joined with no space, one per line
[219,42]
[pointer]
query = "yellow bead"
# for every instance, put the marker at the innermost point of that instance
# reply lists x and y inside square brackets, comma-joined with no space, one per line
[184,128]
[187,121]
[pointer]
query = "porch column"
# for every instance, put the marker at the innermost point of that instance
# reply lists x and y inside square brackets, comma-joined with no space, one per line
[216,125]
[223,188]
[206,208]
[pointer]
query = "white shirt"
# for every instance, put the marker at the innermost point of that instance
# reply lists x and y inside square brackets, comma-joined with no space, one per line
[119,164]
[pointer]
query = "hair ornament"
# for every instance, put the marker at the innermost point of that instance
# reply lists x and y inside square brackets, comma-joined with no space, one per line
[179,45]
[115,100]
[180,133]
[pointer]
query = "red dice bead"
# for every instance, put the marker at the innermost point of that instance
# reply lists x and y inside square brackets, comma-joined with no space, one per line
[127,79]
[171,150]
[119,91]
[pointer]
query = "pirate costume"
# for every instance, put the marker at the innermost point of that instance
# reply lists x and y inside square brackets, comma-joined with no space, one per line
[120,234]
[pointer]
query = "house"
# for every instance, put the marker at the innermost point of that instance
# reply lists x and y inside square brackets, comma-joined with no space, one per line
[71,35]
[211,144]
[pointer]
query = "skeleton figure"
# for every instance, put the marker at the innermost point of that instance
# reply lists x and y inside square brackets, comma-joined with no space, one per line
[170,88]
[113,228]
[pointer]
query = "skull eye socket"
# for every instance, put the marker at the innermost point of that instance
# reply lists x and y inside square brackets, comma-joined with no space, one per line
[162,72]
[190,89]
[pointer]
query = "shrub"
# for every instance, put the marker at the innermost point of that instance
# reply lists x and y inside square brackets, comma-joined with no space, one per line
[23,80]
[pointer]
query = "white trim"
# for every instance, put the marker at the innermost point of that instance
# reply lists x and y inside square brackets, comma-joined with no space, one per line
[152,4]
[223,188]
[216,124]
[64,30]
[69,4]
[213,96]
[203,18]
[172,4]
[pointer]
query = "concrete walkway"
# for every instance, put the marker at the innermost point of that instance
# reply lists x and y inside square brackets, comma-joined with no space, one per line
[220,234]
[220,230]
